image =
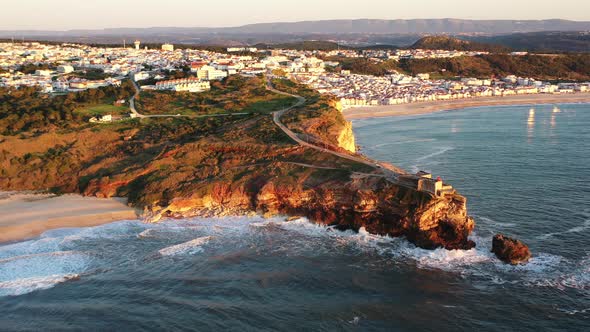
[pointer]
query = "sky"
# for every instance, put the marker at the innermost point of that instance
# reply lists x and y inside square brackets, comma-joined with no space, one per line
[97,14]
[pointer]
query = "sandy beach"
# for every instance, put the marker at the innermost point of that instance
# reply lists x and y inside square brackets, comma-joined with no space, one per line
[435,106]
[24,215]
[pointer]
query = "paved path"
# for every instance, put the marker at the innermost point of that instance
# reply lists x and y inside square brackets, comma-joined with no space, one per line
[300,101]
[132,101]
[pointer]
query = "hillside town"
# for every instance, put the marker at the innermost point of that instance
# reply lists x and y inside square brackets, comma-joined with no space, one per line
[62,68]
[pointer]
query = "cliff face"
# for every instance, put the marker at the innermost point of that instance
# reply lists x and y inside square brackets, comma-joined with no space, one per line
[371,202]
[346,138]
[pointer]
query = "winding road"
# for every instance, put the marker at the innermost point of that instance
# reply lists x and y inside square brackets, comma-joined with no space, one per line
[276,116]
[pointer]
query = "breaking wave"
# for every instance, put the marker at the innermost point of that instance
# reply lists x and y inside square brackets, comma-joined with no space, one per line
[55,258]
[434,154]
[24,274]
[186,248]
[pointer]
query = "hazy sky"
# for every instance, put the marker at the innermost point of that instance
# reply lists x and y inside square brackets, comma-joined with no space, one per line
[73,14]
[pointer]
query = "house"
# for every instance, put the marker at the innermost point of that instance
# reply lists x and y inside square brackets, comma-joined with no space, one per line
[168,47]
[209,73]
[197,65]
[142,75]
[65,69]
[43,72]
[186,84]
[103,119]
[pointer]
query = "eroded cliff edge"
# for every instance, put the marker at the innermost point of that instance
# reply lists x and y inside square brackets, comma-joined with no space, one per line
[360,201]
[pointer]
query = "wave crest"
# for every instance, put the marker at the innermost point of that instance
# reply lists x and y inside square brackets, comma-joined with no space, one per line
[190,247]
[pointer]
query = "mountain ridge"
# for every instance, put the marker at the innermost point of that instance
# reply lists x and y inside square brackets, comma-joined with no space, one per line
[373,26]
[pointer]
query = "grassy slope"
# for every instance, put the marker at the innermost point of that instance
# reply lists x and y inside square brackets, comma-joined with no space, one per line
[101,109]
[545,67]
[155,160]
[232,95]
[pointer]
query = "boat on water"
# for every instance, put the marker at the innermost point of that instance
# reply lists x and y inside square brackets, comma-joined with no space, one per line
[556,109]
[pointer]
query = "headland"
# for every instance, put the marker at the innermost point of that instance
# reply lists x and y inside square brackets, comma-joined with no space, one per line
[282,149]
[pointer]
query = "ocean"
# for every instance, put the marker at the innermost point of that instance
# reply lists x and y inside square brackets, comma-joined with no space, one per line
[524,170]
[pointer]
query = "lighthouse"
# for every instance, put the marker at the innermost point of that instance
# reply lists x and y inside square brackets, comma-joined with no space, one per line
[137,44]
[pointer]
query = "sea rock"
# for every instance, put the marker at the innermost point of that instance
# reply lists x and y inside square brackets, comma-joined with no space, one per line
[510,250]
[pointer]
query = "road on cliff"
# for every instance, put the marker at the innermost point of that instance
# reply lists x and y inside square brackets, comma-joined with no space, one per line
[276,116]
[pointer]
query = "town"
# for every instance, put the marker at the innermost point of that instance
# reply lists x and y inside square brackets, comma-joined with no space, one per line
[63,68]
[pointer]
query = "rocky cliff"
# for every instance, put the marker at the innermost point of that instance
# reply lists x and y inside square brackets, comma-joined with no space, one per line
[346,138]
[371,202]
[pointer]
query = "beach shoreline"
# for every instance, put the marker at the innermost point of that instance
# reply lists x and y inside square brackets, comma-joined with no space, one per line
[421,108]
[28,215]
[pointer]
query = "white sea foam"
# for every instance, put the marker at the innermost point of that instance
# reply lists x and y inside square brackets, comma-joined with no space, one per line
[404,142]
[492,222]
[27,285]
[147,233]
[168,229]
[186,248]
[542,270]
[27,273]
[434,154]
[578,229]
[574,311]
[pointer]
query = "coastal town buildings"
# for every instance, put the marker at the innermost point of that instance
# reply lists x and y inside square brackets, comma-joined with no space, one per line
[74,67]
[187,84]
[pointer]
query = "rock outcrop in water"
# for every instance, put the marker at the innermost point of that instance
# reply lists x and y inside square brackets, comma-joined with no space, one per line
[380,206]
[510,250]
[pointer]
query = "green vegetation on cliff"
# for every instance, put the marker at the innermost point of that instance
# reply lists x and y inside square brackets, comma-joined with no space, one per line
[545,67]
[155,160]
[318,120]
[365,66]
[27,110]
[454,44]
[234,94]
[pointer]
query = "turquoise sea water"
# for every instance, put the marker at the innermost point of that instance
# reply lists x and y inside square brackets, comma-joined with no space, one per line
[525,173]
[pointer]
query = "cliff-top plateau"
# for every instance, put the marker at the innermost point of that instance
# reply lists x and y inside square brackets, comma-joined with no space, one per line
[220,153]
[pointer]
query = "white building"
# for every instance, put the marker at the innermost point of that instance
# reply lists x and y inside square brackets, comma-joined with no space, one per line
[168,47]
[65,69]
[185,84]
[60,85]
[43,72]
[209,73]
[142,75]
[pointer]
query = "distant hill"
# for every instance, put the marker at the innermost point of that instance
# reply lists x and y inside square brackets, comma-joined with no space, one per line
[542,41]
[517,34]
[450,43]
[303,46]
[448,25]
[361,26]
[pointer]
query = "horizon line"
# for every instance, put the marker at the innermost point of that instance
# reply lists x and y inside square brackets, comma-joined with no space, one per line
[288,22]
